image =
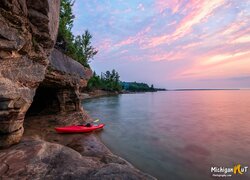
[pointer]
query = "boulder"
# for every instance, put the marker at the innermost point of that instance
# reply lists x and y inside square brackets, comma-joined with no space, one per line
[38,159]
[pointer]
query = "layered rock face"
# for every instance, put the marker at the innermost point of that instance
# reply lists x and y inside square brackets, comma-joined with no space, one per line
[69,77]
[60,90]
[27,36]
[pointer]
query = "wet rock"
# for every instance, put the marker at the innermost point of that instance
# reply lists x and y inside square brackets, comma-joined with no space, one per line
[88,145]
[37,159]
[118,171]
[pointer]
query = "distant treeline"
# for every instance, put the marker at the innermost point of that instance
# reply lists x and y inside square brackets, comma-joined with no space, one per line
[108,81]
[137,87]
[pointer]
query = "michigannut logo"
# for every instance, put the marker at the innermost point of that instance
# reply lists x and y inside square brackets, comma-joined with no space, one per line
[228,171]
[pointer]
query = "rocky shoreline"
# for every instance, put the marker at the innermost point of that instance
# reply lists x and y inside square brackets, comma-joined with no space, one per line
[101,93]
[44,154]
[97,93]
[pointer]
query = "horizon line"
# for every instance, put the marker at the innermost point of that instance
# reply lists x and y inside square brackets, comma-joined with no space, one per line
[204,89]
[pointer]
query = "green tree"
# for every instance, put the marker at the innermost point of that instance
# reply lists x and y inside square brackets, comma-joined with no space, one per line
[66,19]
[107,75]
[108,81]
[137,87]
[79,47]
[85,51]
[117,77]
[88,50]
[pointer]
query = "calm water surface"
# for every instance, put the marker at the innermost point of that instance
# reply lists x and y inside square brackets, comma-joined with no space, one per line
[177,134]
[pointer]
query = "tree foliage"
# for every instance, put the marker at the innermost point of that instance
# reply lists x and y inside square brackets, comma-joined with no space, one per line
[79,47]
[84,50]
[66,19]
[108,81]
[137,87]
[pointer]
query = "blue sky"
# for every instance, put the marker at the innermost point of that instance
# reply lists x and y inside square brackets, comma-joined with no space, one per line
[171,44]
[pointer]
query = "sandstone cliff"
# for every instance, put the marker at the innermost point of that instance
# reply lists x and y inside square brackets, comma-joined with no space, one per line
[27,36]
[59,92]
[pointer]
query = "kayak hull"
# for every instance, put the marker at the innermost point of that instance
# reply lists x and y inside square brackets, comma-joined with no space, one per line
[78,129]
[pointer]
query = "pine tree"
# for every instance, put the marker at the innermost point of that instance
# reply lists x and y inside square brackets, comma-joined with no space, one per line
[79,47]
[87,49]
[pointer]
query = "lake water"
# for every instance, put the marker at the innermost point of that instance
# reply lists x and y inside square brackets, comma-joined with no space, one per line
[177,134]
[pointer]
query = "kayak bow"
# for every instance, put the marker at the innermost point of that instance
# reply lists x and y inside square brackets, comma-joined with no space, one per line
[78,128]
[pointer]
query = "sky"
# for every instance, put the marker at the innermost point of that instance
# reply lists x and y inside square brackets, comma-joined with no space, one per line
[170,43]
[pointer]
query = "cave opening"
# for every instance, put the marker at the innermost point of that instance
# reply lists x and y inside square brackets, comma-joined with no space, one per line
[45,101]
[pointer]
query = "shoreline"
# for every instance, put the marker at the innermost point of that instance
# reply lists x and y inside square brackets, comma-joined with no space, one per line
[101,93]
[42,146]
[96,94]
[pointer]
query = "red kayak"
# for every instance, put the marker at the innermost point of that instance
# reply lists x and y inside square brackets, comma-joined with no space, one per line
[78,128]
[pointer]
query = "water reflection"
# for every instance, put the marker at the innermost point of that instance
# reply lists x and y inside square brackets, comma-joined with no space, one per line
[177,135]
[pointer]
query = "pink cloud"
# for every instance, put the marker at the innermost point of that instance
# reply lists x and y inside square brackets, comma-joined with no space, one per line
[127,41]
[104,45]
[200,11]
[191,45]
[178,39]
[169,56]
[174,5]
[138,38]
[218,65]
[242,39]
